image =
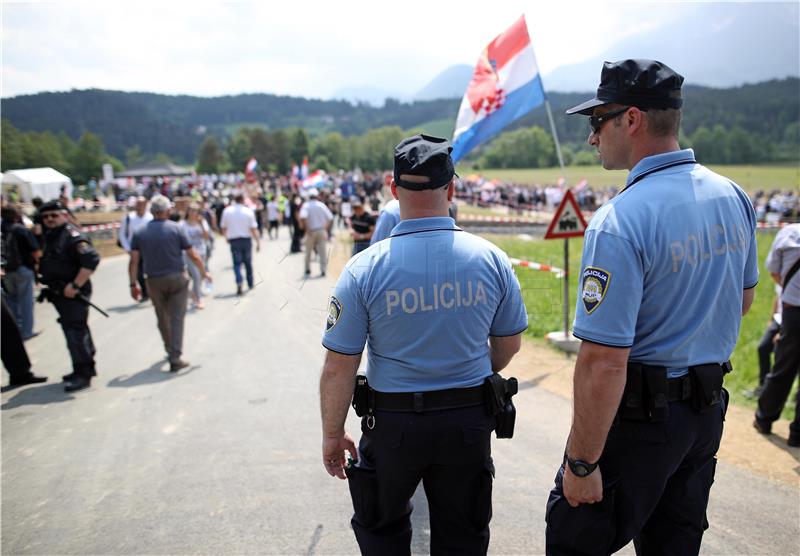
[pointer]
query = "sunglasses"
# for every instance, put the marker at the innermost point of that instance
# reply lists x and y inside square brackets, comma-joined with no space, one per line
[596,122]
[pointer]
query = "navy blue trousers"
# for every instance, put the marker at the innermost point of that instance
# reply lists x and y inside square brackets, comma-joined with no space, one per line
[656,483]
[73,315]
[450,452]
[242,253]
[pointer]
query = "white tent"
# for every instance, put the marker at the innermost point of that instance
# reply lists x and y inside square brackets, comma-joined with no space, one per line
[37,182]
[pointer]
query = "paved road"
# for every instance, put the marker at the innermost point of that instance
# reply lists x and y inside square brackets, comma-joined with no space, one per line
[223,457]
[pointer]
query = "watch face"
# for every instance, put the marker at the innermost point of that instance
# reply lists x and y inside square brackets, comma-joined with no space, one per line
[580,470]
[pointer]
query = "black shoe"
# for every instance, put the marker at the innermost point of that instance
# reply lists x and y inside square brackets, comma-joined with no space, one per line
[30,379]
[322,274]
[78,383]
[178,365]
[69,377]
[764,427]
[794,439]
[238,289]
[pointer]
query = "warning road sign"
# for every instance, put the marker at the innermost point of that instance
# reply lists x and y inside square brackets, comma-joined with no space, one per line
[568,220]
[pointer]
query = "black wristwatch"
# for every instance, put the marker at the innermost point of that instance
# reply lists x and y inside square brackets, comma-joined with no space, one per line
[75,286]
[579,467]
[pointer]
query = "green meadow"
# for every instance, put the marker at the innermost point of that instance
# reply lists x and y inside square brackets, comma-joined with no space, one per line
[543,294]
[750,178]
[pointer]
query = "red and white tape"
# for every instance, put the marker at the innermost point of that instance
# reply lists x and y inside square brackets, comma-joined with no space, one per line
[536,266]
[500,219]
[98,227]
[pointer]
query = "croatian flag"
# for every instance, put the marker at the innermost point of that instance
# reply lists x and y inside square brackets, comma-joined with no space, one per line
[304,168]
[252,164]
[316,179]
[505,86]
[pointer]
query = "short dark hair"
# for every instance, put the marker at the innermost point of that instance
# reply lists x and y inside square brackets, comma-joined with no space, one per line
[664,123]
[10,213]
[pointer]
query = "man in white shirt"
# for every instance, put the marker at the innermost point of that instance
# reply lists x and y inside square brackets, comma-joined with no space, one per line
[132,223]
[316,219]
[239,227]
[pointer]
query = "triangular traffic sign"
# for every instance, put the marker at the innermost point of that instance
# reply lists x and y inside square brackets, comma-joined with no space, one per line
[568,220]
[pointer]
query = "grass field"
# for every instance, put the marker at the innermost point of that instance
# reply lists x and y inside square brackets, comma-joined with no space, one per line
[543,296]
[750,178]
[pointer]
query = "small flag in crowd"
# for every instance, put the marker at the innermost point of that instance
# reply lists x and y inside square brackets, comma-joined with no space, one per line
[304,168]
[505,86]
[252,164]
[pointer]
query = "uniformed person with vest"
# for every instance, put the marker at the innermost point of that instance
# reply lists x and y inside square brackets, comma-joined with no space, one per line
[440,310]
[668,270]
[66,265]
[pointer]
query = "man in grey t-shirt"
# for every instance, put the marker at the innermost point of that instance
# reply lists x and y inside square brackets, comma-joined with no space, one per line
[783,263]
[161,244]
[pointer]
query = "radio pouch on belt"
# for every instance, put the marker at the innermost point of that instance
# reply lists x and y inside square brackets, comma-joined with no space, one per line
[706,386]
[361,396]
[498,392]
[645,396]
[632,406]
[657,390]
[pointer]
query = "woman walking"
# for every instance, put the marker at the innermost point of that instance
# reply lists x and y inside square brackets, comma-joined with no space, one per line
[198,231]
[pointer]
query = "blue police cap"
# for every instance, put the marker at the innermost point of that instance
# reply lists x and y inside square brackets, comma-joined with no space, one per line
[641,83]
[423,156]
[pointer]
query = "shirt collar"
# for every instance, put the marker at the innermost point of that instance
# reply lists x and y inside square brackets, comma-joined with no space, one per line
[655,161]
[424,225]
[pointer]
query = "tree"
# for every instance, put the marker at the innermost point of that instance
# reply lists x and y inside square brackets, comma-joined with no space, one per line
[134,156]
[12,147]
[333,147]
[299,146]
[88,158]
[239,150]
[280,141]
[210,157]
[530,147]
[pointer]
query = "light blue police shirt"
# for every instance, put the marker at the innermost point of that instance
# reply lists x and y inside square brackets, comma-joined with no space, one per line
[425,301]
[387,220]
[664,265]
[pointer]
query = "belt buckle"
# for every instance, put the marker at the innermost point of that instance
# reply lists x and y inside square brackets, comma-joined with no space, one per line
[418,402]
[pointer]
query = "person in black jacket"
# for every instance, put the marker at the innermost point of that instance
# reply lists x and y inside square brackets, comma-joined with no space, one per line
[68,262]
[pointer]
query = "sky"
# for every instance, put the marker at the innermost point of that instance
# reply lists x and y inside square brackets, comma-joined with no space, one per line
[304,48]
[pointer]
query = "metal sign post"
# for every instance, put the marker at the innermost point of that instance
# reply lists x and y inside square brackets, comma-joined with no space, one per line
[567,222]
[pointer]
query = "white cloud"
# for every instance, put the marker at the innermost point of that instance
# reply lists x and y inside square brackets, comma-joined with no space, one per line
[308,48]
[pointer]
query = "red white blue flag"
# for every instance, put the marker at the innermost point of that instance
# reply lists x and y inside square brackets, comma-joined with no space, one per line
[252,164]
[505,86]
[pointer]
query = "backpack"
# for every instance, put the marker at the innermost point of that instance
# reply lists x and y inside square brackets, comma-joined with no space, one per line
[12,259]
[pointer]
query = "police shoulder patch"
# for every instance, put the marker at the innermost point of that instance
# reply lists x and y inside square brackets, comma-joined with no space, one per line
[83,247]
[595,285]
[334,312]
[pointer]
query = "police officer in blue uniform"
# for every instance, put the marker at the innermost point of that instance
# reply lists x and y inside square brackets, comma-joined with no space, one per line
[668,270]
[69,259]
[440,310]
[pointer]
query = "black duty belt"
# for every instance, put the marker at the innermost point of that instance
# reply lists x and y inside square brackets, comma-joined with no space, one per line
[435,400]
[679,389]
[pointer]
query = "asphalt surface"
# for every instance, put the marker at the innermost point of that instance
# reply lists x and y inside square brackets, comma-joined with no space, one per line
[224,456]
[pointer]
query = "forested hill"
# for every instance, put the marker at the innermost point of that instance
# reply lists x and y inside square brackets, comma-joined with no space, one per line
[177,125]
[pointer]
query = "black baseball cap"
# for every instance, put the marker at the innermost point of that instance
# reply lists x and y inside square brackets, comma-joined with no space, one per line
[640,83]
[52,206]
[423,156]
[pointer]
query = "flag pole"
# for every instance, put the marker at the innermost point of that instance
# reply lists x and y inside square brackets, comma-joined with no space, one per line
[566,240]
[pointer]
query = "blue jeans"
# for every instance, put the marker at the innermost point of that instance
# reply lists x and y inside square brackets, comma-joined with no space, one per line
[19,285]
[241,251]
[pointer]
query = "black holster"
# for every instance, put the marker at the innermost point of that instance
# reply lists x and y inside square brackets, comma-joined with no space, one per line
[498,392]
[645,397]
[361,396]
[706,386]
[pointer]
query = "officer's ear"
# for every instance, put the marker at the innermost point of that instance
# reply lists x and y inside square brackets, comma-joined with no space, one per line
[451,189]
[393,187]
